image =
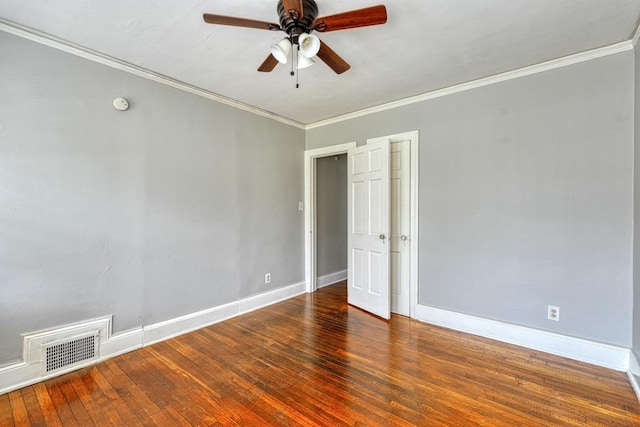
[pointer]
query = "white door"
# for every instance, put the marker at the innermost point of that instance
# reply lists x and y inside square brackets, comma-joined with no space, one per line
[368,240]
[400,256]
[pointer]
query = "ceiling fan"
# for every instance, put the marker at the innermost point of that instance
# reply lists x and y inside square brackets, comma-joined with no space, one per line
[298,19]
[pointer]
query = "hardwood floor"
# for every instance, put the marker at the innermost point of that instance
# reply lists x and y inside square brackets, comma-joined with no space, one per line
[314,361]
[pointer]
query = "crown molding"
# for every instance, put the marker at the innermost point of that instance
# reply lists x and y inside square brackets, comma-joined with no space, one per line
[100,58]
[486,81]
[66,46]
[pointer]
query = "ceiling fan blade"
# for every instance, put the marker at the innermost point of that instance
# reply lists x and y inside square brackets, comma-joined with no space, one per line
[374,15]
[268,65]
[239,22]
[332,59]
[295,5]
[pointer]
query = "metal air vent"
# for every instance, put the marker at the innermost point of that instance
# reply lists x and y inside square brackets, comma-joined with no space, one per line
[63,354]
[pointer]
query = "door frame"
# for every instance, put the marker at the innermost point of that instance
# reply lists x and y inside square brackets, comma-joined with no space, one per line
[310,157]
[310,226]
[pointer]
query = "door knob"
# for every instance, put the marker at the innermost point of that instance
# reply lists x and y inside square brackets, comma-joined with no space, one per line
[382,237]
[403,238]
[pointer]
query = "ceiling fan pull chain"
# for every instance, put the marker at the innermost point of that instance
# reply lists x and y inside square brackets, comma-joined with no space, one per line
[297,69]
[292,59]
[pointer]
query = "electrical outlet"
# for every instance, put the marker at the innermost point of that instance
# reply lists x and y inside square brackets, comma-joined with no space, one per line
[267,278]
[553,313]
[300,206]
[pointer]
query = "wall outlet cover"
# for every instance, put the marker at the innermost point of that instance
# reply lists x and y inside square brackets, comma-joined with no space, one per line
[553,313]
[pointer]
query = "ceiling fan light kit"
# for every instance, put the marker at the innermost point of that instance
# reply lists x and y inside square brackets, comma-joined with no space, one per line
[281,50]
[298,19]
[304,62]
[309,45]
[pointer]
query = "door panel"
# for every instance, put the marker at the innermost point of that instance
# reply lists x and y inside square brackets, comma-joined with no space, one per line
[368,195]
[400,226]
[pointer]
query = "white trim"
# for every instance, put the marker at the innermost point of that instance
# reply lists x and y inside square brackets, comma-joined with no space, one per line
[266,299]
[592,352]
[636,37]
[121,343]
[634,374]
[29,371]
[167,329]
[19,375]
[414,138]
[415,231]
[332,278]
[634,367]
[74,49]
[109,61]
[83,52]
[486,81]
[25,373]
[32,344]
[181,325]
[310,157]
[635,385]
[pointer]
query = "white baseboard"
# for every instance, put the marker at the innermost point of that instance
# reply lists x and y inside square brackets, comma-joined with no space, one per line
[635,383]
[29,371]
[265,299]
[23,374]
[330,279]
[592,352]
[181,325]
[190,322]
[634,366]
[634,374]
[19,375]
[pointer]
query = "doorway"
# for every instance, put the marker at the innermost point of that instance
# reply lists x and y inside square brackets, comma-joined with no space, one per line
[403,232]
[331,219]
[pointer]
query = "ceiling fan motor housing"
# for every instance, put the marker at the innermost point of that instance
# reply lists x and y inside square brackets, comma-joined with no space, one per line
[295,27]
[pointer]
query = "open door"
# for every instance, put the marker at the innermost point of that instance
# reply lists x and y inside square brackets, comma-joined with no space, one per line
[369,224]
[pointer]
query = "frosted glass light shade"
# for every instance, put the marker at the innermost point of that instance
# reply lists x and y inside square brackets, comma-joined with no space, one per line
[309,45]
[281,50]
[304,62]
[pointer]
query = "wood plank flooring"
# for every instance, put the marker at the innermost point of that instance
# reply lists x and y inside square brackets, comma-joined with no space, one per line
[315,361]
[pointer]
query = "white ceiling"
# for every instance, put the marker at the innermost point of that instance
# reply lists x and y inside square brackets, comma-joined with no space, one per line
[426,44]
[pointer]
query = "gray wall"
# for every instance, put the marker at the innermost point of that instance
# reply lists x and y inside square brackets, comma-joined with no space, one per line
[636,242]
[177,205]
[331,219]
[526,197]
[181,203]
